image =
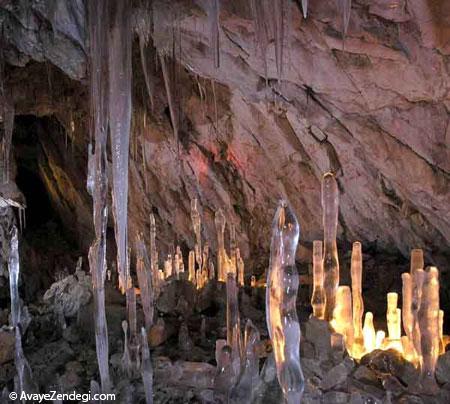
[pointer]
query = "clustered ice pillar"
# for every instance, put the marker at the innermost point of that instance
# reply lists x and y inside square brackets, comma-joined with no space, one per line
[318,298]
[330,206]
[281,295]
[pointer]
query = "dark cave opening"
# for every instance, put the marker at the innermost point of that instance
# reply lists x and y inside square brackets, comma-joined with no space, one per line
[49,249]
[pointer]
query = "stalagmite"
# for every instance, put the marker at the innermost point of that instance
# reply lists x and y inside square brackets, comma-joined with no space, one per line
[249,376]
[120,120]
[418,279]
[408,348]
[407,316]
[392,316]
[342,321]
[126,363]
[379,339]
[441,332]
[225,377]
[240,268]
[281,294]
[98,33]
[146,368]
[196,224]
[191,266]
[369,332]
[24,373]
[14,269]
[357,302]
[318,296]
[144,274]
[330,206]
[220,223]
[429,330]
[233,323]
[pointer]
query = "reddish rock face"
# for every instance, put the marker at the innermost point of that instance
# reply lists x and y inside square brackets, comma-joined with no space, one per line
[373,108]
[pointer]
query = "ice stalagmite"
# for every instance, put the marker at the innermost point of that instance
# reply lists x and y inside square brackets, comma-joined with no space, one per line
[98,32]
[225,377]
[281,295]
[369,332]
[249,377]
[429,330]
[220,223]
[391,316]
[318,296]
[131,309]
[418,279]
[120,121]
[14,268]
[154,255]
[441,332]
[358,303]
[126,363]
[196,224]
[143,269]
[233,323]
[407,316]
[24,374]
[146,368]
[330,207]
[342,321]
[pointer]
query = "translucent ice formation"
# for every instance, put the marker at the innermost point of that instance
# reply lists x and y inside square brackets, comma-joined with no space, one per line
[417,261]
[318,296]
[392,316]
[126,363]
[407,316]
[281,294]
[146,368]
[144,275]
[342,321]
[330,206]
[14,268]
[131,310]
[8,125]
[213,17]
[418,279]
[429,330]
[233,323]
[119,52]
[358,304]
[220,223]
[196,224]
[369,332]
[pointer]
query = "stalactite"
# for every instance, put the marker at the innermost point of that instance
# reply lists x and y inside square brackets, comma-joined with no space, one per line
[14,269]
[318,297]
[220,223]
[213,17]
[345,7]
[169,95]
[197,225]
[8,126]
[305,8]
[98,31]
[120,41]
[281,294]
[279,28]
[330,207]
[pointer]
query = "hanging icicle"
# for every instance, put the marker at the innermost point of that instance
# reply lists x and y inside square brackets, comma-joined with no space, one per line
[305,8]
[344,7]
[213,18]
[120,119]
[279,28]
[170,101]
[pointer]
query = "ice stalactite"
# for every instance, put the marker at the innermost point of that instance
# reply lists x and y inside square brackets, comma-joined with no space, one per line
[98,26]
[220,223]
[305,8]
[330,207]
[154,255]
[146,368]
[262,29]
[14,268]
[144,274]
[8,126]
[213,17]
[345,8]
[197,226]
[279,31]
[24,373]
[281,295]
[358,304]
[429,330]
[169,95]
[249,377]
[233,323]
[120,121]
[318,297]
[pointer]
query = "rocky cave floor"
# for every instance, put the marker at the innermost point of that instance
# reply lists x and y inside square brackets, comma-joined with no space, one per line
[60,347]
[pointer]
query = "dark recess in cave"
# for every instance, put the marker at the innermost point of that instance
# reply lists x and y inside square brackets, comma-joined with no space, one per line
[48,248]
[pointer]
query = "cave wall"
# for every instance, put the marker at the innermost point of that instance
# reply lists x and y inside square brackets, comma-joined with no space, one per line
[373,108]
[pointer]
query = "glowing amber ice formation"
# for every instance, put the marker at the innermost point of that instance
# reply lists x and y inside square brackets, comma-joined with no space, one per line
[392,316]
[196,224]
[357,300]
[379,339]
[369,332]
[342,321]
[220,223]
[418,278]
[330,207]
[408,348]
[191,266]
[441,332]
[407,307]
[429,329]
[233,323]
[281,295]
[318,296]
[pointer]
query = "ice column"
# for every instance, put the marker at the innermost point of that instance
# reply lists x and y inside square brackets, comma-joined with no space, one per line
[196,224]
[429,330]
[120,41]
[98,31]
[146,368]
[342,321]
[418,279]
[233,323]
[144,274]
[357,303]
[318,296]
[14,268]
[220,222]
[281,295]
[407,316]
[330,206]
